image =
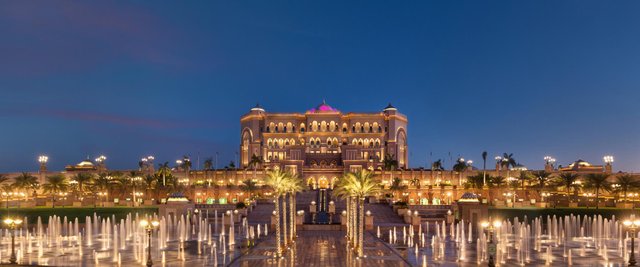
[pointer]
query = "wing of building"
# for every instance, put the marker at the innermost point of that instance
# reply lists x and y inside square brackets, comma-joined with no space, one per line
[324,142]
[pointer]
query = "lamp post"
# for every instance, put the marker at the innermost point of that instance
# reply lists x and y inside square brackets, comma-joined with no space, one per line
[7,195]
[632,226]
[149,226]
[43,163]
[13,223]
[490,228]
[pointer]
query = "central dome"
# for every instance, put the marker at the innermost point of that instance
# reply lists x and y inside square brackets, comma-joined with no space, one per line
[323,108]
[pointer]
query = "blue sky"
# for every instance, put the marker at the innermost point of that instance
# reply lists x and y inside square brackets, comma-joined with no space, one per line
[129,79]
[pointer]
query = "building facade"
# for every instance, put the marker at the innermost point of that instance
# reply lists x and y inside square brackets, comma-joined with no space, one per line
[323,143]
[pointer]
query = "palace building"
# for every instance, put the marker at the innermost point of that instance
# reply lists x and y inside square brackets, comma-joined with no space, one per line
[323,143]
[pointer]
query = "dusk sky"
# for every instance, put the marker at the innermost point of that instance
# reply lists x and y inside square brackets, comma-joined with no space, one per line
[166,78]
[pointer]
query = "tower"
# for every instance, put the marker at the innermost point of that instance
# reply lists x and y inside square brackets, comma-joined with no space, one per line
[252,125]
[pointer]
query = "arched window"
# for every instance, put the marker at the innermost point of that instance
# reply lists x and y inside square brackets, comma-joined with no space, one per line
[358,127]
[323,126]
[288,127]
[314,126]
[375,127]
[302,127]
[366,126]
[329,141]
[332,126]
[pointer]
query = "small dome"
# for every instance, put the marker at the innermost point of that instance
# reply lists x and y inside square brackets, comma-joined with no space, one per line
[469,197]
[257,108]
[519,167]
[323,108]
[580,163]
[177,197]
[390,107]
[85,163]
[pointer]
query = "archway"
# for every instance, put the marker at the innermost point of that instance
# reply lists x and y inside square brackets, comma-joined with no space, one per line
[323,183]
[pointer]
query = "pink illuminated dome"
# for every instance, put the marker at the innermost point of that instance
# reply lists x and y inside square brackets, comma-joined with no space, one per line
[323,108]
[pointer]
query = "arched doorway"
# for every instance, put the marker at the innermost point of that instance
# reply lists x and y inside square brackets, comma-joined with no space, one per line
[311,182]
[323,183]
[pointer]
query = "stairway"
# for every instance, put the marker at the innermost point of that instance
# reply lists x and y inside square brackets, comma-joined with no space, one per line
[261,213]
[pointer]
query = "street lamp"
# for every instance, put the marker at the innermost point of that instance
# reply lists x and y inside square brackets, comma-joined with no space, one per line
[13,223]
[490,228]
[101,159]
[43,159]
[549,160]
[149,226]
[632,226]
[7,195]
[608,159]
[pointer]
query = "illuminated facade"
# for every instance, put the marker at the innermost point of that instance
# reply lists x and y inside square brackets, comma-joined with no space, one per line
[323,143]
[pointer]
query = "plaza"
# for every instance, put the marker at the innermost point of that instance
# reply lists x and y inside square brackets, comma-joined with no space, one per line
[319,133]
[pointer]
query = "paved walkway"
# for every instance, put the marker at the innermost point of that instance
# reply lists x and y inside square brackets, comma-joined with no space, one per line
[321,248]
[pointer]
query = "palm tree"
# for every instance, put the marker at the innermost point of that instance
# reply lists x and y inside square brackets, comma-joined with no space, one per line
[397,186]
[415,182]
[3,178]
[208,164]
[459,167]
[7,189]
[82,179]
[389,162]
[55,184]
[597,182]
[542,180]
[524,177]
[163,171]
[507,162]
[149,182]
[484,168]
[186,165]
[344,190]
[255,162]
[568,181]
[249,186]
[476,181]
[102,184]
[437,165]
[294,185]
[625,183]
[497,181]
[360,185]
[135,182]
[277,180]
[25,181]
